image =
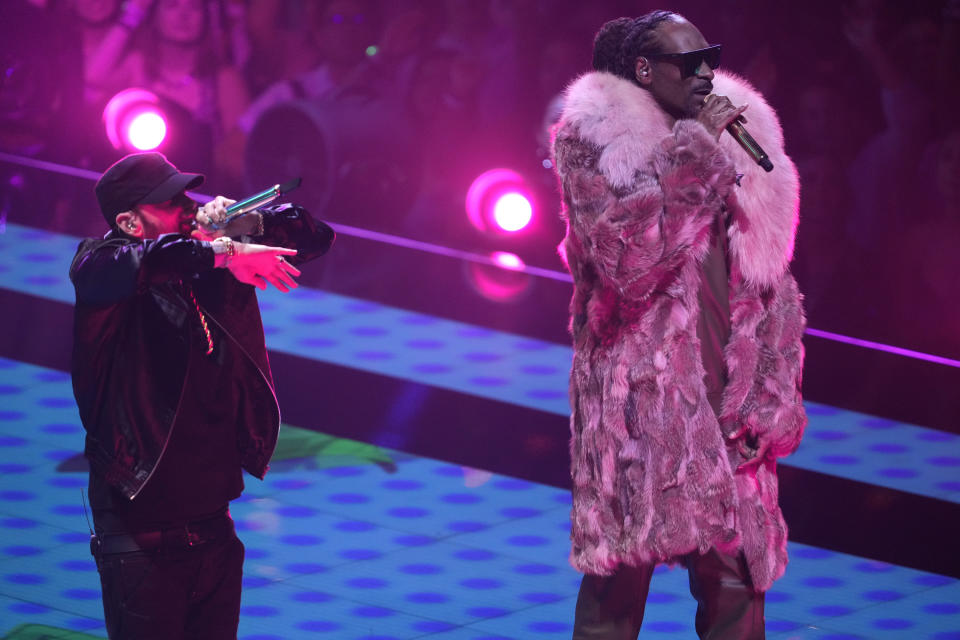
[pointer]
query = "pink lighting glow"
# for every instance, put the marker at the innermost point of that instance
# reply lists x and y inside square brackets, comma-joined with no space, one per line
[510,261]
[133,120]
[498,201]
[503,279]
[512,211]
[146,130]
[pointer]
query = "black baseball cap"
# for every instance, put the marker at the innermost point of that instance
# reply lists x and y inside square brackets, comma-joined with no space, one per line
[140,178]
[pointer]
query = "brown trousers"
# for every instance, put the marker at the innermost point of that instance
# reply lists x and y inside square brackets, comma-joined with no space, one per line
[728,608]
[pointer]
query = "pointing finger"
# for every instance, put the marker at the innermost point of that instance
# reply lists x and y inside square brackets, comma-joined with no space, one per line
[277,283]
[287,279]
[289,268]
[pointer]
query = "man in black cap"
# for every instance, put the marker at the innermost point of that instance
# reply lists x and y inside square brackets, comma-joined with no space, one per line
[172,381]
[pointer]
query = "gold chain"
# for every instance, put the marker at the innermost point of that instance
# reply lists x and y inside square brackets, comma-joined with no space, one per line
[203,320]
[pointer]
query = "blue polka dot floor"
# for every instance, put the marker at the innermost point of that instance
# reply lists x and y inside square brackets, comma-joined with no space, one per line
[489,364]
[349,540]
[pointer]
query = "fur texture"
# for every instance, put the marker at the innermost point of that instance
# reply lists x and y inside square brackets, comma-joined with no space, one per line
[653,477]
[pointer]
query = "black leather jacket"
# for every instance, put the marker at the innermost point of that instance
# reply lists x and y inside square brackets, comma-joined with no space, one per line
[132,341]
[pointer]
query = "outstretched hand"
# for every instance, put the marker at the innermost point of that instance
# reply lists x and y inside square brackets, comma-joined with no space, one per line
[259,264]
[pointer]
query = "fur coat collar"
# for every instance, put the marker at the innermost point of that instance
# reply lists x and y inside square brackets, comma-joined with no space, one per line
[627,123]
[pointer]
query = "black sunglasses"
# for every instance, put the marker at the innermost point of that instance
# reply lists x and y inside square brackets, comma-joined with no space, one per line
[689,61]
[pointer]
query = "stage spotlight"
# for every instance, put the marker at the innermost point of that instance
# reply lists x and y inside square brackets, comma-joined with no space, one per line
[499,200]
[134,121]
[147,130]
[512,211]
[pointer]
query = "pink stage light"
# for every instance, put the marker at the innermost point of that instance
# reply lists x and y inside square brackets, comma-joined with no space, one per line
[499,200]
[510,261]
[147,130]
[512,211]
[134,121]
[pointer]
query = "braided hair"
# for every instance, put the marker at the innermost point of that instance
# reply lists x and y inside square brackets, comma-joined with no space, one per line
[621,41]
[606,44]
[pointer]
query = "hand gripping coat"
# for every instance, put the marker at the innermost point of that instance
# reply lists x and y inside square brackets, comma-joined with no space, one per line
[654,476]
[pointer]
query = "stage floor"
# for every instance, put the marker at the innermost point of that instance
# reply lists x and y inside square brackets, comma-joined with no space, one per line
[349,540]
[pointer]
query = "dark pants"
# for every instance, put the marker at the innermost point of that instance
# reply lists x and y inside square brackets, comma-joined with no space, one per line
[611,607]
[173,591]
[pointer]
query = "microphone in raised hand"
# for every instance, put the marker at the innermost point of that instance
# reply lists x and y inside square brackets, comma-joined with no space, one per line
[718,113]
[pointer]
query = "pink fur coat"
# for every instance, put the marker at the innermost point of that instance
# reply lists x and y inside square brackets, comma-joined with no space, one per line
[654,477]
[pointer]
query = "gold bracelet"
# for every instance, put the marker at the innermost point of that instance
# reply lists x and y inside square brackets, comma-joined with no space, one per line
[230,251]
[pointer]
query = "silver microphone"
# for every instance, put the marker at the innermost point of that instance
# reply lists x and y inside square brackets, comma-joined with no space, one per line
[255,201]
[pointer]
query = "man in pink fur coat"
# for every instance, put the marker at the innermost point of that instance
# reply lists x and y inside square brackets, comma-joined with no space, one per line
[687,330]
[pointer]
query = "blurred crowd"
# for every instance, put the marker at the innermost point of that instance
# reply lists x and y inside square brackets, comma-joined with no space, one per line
[399,104]
[872,127]
[452,71]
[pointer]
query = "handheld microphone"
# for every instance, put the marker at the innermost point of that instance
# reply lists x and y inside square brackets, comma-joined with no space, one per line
[754,150]
[256,201]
